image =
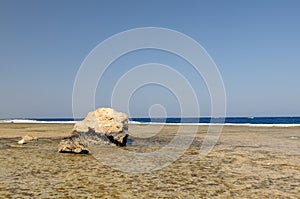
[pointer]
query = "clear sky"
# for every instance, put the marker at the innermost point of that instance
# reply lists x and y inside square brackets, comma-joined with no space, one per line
[255,44]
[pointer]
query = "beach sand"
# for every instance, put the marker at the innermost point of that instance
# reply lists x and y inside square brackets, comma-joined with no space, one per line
[247,162]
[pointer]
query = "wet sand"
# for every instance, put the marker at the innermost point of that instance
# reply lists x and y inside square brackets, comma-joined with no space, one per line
[247,162]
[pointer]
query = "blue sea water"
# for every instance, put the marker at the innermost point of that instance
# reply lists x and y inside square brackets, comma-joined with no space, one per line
[172,120]
[227,120]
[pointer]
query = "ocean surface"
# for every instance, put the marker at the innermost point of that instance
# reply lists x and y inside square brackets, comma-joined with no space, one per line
[248,121]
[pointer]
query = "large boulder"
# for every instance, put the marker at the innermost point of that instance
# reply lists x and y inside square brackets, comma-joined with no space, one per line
[108,121]
[102,126]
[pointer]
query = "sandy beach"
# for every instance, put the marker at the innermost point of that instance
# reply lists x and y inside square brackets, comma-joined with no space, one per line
[247,162]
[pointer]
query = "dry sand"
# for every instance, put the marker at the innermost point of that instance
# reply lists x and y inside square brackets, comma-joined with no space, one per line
[247,162]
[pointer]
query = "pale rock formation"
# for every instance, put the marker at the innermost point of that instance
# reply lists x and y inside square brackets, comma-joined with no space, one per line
[72,144]
[102,126]
[27,138]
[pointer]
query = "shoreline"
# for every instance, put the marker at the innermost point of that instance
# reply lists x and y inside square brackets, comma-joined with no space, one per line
[155,123]
[59,130]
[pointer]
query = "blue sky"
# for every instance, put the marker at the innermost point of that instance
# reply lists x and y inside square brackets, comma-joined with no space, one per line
[255,45]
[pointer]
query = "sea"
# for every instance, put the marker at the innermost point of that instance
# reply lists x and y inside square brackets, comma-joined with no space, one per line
[240,121]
